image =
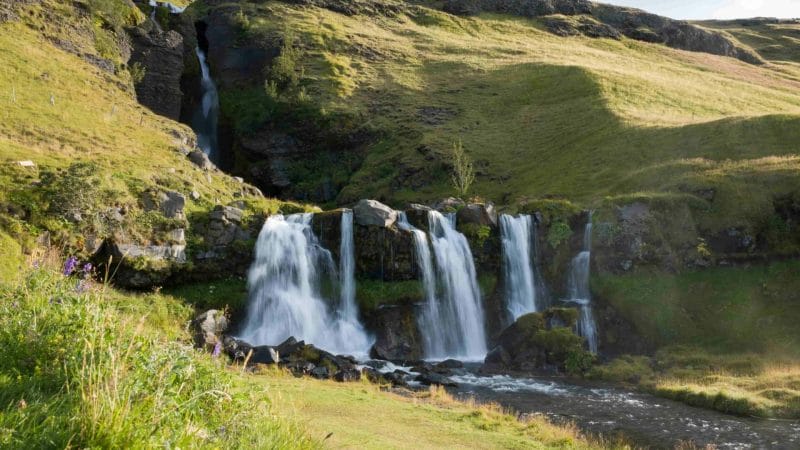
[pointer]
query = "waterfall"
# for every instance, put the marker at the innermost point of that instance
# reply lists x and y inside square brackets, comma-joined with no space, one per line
[433,345]
[578,289]
[516,236]
[349,326]
[452,323]
[284,288]
[204,122]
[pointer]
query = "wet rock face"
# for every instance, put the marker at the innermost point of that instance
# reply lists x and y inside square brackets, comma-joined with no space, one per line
[160,55]
[381,253]
[482,214]
[397,336]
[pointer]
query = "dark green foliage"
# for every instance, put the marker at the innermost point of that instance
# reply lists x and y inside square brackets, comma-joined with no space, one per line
[476,234]
[74,191]
[552,210]
[559,232]
[373,293]
[567,316]
[285,72]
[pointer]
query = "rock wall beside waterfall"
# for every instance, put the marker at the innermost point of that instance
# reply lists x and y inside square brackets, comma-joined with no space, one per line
[159,54]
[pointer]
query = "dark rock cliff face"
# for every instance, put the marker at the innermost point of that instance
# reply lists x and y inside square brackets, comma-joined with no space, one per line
[160,54]
[599,20]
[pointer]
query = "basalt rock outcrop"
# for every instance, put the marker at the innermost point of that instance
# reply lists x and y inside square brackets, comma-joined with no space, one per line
[159,54]
[397,335]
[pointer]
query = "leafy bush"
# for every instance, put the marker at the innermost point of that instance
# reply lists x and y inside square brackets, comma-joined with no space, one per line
[558,233]
[284,71]
[73,192]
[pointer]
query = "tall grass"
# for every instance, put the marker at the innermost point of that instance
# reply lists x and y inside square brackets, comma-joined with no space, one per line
[87,368]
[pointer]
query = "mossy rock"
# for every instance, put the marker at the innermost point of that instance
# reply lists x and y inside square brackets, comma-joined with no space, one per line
[561,317]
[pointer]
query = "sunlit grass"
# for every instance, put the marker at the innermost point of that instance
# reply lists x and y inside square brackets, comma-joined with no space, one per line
[362,415]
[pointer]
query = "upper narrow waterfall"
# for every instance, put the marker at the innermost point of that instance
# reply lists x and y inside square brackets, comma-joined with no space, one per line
[579,289]
[285,298]
[452,323]
[205,120]
[516,234]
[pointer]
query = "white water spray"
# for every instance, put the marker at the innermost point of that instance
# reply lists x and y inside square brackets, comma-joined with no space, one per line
[285,298]
[349,327]
[452,324]
[516,235]
[205,121]
[579,292]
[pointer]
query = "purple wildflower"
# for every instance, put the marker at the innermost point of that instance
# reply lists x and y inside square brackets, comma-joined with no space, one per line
[217,349]
[87,270]
[69,265]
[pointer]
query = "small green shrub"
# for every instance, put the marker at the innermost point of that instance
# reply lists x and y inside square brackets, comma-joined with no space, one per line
[137,72]
[559,232]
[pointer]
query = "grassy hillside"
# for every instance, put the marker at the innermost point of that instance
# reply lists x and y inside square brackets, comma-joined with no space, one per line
[542,115]
[726,309]
[775,40]
[93,146]
[87,366]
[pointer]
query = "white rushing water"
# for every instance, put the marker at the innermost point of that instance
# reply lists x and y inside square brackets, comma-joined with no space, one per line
[285,299]
[349,327]
[516,236]
[578,289]
[432,342]
[205,121]
[452,322]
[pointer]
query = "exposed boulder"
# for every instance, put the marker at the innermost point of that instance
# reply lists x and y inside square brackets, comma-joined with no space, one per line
[172,205]
[448,205]
[433,378]
[417,216]
[208,328]
[374,213]
[397,336]
[160,55]
[229,213]
[264,354]
[201,160]
[347,375]
[482,214]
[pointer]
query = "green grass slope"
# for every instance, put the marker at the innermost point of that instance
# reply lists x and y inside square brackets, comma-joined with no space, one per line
[86,366]
[541,115]
[59,109]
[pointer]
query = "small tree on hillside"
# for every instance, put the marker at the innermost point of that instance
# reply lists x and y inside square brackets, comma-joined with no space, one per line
[463,172]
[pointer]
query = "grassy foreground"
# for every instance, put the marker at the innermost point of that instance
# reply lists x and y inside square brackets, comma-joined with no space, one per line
[86,366]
